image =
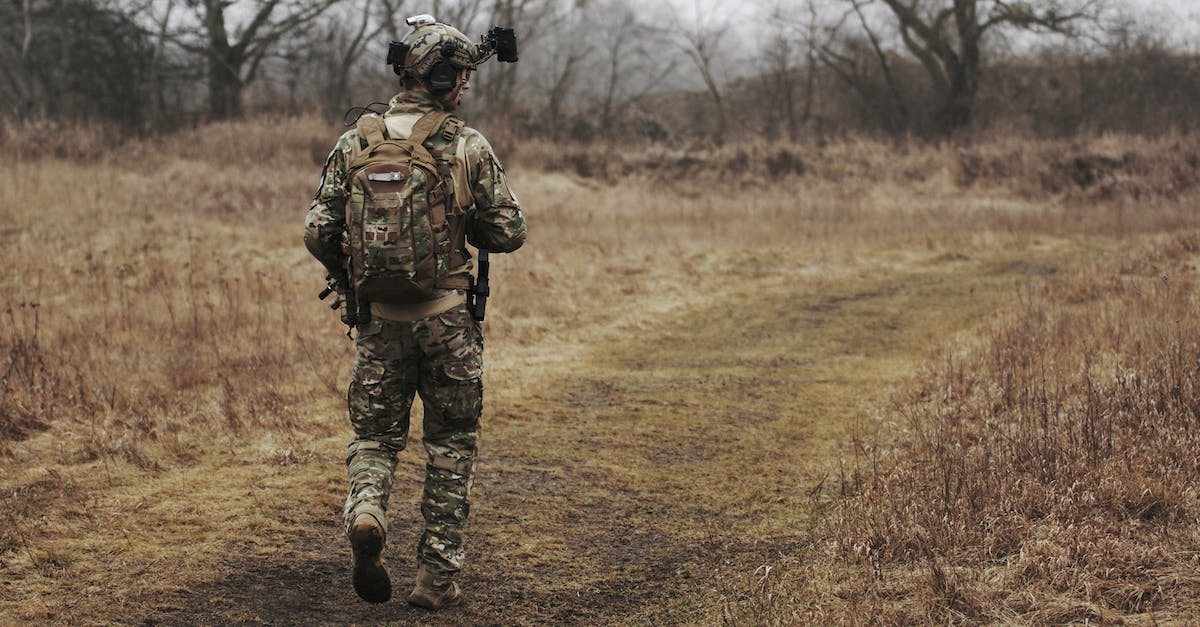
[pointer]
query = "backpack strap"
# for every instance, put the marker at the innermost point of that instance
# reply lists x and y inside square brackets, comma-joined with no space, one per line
[460,194]
[450,160]
[449,125]
[462,182]
[426,126]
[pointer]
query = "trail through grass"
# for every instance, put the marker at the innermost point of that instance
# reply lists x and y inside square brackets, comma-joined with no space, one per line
[646,477]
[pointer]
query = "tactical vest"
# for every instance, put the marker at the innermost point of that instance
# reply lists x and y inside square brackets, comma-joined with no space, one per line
[405,209]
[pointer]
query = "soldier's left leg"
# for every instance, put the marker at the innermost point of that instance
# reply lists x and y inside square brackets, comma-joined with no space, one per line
[451,391]
[379,400]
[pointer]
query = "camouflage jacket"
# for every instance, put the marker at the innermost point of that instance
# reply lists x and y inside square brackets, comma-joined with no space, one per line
[493,217]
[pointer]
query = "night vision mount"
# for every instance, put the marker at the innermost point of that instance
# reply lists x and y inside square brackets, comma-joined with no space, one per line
[499,41]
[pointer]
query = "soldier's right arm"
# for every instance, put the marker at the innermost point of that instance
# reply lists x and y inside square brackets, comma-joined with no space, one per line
[494,221]
[326,219]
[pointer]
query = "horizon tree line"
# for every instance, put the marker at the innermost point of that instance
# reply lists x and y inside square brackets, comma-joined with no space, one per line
[612,68]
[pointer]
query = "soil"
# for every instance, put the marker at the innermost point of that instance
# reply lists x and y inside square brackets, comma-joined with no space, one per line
[629,568]
[572,523]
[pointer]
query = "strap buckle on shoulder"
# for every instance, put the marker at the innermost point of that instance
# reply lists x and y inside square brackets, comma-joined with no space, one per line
[451,129]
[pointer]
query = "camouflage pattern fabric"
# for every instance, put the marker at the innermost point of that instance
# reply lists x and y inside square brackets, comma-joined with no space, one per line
[439,357]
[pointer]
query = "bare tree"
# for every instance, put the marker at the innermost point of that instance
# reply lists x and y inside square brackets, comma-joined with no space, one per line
[857,57]
[632,64]
[577,42]
[461,14]
[158,61]
[809,36]
[619,42]
[700,40]
[342,41]
[16,58]
[780,83]
[947,36]
[233,62]
[563,79]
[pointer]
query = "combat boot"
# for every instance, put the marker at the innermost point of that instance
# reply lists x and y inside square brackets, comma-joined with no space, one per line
[371,580]
[433,592]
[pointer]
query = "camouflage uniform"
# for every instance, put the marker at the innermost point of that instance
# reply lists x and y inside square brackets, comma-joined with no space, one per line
[437,353]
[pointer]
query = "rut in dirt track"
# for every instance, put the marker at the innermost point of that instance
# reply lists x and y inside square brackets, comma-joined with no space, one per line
[628,567]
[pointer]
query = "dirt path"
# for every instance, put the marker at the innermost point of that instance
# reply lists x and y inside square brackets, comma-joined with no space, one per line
[651,479]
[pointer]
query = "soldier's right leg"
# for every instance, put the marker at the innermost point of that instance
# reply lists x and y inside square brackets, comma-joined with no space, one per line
[379,400]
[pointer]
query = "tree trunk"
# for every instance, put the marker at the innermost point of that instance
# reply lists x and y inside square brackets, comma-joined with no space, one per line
[157,86]
[224,65]
[224,89]
[958,107]
[964,70]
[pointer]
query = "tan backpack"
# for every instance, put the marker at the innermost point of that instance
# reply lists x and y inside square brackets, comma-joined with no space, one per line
[404,221]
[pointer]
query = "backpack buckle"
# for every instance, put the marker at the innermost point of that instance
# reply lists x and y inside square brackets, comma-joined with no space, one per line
[453,126]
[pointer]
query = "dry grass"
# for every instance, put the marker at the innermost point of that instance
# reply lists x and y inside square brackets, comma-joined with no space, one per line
[1052,475]
[163,359]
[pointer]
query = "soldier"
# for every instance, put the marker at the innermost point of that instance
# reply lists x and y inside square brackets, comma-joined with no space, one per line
[434,346]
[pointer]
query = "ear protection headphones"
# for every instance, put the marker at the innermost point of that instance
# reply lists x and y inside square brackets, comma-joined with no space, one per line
[443,76]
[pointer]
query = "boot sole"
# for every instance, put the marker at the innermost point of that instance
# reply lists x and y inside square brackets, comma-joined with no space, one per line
[370,578]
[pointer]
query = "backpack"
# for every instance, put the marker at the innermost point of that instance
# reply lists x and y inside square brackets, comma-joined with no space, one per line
[405,228]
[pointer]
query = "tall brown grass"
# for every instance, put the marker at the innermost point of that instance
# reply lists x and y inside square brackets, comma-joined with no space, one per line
[1047,475]
[160,314]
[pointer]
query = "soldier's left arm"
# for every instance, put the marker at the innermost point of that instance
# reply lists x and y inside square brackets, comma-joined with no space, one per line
[495,221]
[326,219]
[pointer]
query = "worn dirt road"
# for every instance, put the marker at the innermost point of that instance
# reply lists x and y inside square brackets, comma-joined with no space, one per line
[646,475]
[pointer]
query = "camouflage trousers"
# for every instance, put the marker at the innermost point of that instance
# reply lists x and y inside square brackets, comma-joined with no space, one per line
[440,358]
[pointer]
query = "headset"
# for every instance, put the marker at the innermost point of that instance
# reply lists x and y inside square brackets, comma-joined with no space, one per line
[443,76]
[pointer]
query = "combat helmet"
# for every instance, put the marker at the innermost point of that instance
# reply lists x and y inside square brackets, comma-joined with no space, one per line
[432,52]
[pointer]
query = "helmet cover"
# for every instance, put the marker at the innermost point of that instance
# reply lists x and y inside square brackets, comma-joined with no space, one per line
[429,43]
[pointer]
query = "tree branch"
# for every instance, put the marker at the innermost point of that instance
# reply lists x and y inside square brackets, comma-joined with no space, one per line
[883,61]
[937,73]
[1022,15]
[933,41]
[260,18]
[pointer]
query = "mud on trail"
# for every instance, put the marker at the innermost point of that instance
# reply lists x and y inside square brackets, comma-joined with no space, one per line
[656,471]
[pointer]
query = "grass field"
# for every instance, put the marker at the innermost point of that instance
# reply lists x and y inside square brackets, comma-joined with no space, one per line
[857,382]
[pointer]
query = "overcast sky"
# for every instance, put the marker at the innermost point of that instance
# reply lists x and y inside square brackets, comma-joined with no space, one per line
[1179,20]
[1180,16]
